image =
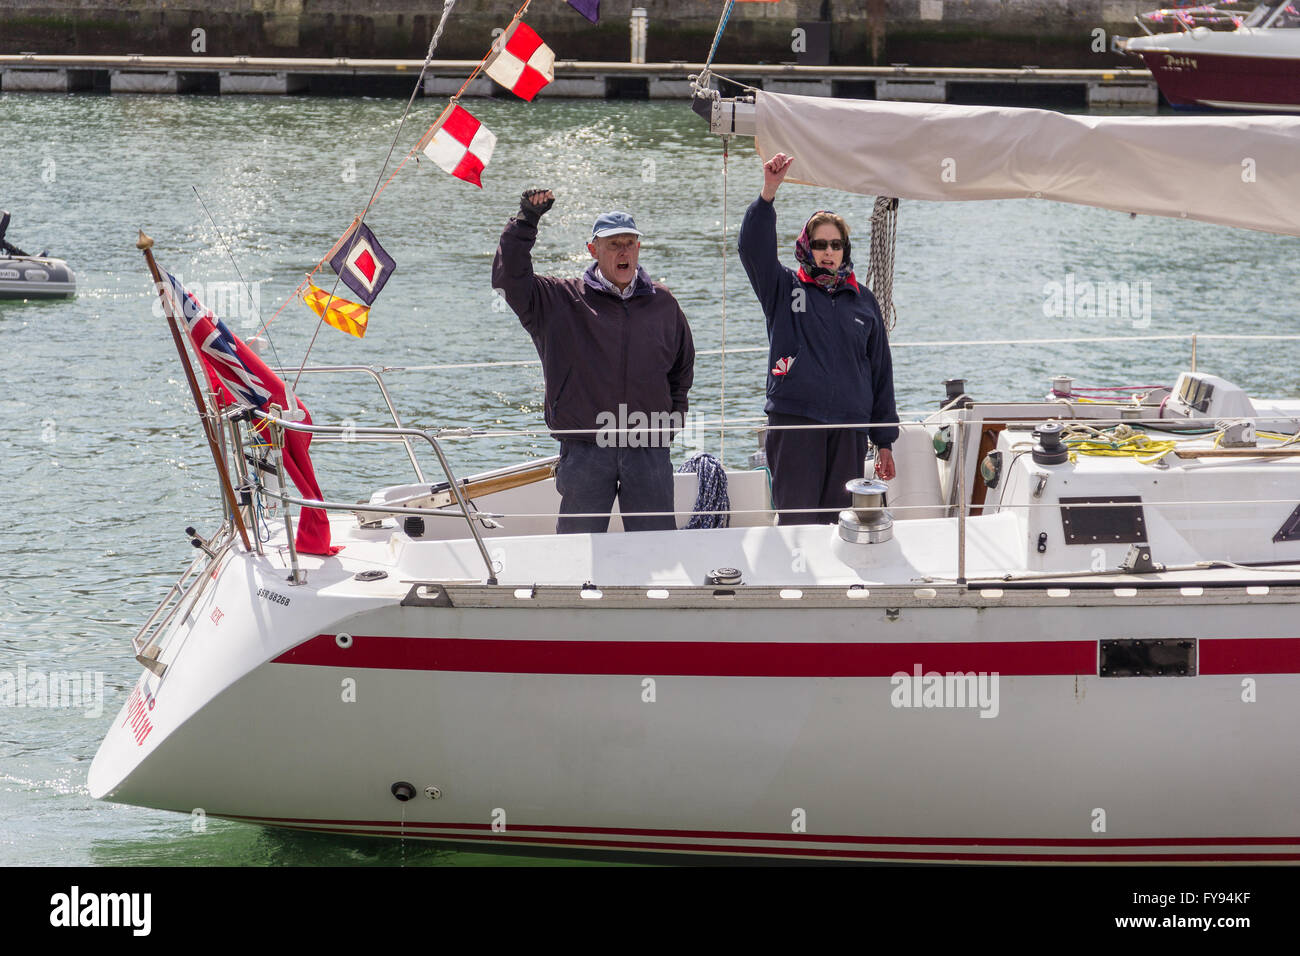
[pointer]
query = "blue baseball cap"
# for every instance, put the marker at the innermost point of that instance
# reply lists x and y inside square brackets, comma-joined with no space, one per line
[614,224]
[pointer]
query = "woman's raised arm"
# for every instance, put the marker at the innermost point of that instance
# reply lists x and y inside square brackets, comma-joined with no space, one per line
[774,171]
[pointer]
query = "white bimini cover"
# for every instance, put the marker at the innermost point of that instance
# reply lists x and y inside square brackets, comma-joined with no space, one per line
[1239,171]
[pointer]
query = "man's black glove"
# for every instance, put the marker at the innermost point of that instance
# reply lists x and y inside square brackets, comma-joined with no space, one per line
[531,207]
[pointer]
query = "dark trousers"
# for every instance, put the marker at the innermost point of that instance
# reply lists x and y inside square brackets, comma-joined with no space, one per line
[589,478]
[810,467]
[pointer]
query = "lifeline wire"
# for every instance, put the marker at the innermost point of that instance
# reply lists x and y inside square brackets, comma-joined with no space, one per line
[892,345]
[722,391]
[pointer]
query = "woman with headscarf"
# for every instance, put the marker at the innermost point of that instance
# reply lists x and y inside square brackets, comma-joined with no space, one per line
[828,359]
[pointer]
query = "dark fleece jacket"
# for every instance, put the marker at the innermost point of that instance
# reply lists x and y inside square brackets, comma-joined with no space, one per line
[840,369]
[598,351]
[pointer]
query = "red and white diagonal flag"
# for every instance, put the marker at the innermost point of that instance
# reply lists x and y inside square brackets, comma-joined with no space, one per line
[521,62]
[461,145]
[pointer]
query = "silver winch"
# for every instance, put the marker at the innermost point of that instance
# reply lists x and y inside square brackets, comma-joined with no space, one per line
[867,522]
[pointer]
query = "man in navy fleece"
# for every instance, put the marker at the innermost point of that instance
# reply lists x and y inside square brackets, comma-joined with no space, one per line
[616,353]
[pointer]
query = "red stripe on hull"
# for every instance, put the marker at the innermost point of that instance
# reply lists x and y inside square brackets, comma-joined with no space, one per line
[1250,655]
[732,849]
[791,837]
[695,658]
[1189,78]
[760,659]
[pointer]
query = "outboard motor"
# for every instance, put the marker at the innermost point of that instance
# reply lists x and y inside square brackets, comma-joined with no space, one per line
[25,276]
[5,247]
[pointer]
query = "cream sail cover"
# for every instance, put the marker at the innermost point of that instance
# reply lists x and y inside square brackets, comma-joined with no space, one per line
[1233,170]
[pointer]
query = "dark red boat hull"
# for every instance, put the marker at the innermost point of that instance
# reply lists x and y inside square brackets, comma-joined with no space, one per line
[1215,79]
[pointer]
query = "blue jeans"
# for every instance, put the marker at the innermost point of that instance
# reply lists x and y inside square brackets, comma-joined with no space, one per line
[589,478]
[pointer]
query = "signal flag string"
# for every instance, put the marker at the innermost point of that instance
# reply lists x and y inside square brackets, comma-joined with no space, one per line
[380,183]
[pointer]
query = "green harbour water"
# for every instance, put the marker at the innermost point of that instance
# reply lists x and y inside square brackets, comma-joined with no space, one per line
[101,459]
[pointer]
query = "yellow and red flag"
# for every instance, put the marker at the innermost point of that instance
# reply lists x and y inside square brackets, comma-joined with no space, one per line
[345,316]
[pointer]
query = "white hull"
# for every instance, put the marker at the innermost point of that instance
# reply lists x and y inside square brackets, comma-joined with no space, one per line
[1245,42]
[533,707]
[1076,640]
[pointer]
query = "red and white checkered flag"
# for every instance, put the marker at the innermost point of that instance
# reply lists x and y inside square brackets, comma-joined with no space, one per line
[461,145]
[521,62]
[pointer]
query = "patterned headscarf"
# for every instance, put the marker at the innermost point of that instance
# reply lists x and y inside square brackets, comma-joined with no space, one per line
[809,271]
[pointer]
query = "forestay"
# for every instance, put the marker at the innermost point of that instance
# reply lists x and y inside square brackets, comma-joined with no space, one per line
[1239,171]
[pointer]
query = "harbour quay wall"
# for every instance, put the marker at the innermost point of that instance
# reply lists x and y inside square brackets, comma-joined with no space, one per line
[987,33]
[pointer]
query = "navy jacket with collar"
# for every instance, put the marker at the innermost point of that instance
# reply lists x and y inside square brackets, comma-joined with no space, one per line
[598,350]
[840,369]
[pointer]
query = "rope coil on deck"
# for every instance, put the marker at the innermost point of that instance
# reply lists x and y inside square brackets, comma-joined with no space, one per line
[1118,441]
[712,503]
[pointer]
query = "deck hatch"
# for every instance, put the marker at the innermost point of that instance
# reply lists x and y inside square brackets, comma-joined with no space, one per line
[1111,520]
[1148,657]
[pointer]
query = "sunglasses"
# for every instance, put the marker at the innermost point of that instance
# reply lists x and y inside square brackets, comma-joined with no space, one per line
[819,245]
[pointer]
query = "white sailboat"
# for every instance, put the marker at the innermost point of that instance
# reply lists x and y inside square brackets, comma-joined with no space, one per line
[1033,655]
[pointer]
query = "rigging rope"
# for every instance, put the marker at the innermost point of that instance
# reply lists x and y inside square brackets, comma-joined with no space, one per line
[734,82]
[717,38]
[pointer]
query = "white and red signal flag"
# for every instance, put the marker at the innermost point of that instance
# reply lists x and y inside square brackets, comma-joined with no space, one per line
[461,145]
[521,62]
[362,263]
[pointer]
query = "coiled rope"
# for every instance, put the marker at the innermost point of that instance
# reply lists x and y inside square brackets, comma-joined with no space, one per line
[880,270]
[711,502]
[1120,441]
